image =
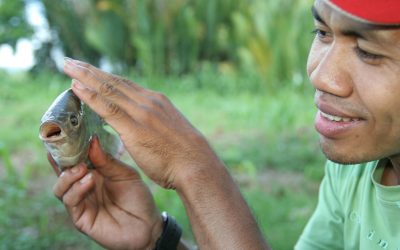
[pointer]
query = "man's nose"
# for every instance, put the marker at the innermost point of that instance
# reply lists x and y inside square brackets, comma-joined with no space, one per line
[332,72]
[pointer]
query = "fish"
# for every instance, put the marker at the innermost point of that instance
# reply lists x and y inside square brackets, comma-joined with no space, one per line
[67,128]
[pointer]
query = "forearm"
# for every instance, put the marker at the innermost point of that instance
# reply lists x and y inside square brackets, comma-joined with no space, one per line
[218,213]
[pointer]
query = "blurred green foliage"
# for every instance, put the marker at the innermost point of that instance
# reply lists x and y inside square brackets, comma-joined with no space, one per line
[159,37]
[268,38]
[31,218]
[13,22]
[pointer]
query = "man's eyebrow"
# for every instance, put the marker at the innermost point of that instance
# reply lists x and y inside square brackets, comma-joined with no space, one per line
[352,33]
[316,15]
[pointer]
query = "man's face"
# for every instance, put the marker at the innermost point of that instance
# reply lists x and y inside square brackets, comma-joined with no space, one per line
[355,70]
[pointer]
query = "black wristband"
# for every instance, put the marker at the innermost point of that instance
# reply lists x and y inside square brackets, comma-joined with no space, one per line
[171,234]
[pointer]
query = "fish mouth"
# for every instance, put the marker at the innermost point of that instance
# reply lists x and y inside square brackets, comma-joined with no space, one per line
[51,131]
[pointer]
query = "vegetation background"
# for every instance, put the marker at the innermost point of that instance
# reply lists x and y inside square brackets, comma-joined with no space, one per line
[235,68]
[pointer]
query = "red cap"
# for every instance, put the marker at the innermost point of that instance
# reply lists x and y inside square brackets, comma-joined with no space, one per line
[386,12]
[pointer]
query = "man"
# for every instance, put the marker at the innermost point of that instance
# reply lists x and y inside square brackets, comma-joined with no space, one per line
[354,65]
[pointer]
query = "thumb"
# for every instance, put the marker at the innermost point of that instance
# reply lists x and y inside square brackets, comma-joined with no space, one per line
[107,165]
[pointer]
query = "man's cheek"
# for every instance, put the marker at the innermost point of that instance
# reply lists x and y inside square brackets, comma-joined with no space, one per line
[312,61]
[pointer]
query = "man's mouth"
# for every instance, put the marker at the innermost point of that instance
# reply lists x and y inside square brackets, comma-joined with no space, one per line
[335,118]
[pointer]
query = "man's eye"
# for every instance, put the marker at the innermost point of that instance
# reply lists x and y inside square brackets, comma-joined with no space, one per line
[321,34]
[366,55]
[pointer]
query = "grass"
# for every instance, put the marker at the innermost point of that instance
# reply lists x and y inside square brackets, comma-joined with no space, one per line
[264,136]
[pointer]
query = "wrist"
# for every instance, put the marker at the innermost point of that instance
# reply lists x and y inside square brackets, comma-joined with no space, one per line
[199,161]
[156,231]
[211,195]
[198,175]
[171,234]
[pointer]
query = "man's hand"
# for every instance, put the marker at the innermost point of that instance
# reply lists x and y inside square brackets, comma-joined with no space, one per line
[110,203]
[160,140]
[172,153]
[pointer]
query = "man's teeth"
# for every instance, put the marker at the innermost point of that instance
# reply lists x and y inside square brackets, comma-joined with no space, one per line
[337,118]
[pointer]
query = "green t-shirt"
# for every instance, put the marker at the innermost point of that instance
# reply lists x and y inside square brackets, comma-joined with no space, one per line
[354,211]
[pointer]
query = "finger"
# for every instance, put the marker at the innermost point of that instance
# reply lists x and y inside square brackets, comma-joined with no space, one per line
[53,164]
[111,91]
[122,83]
[68,178]
[101,83]
[105,84]
[112,113]
[122,182]
[115,105]
[107,100]
[108,166]
[82,213]
[77,192]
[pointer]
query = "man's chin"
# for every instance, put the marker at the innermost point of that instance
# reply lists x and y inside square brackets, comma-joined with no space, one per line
[343,161]
[344,158]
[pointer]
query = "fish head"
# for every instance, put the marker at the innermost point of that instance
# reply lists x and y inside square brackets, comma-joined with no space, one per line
[63,130]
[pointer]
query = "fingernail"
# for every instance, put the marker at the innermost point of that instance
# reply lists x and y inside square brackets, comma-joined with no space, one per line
[76,169]
[78,85]
[86,178]
[68,62]
[94,138]
[62,174]
[68,59]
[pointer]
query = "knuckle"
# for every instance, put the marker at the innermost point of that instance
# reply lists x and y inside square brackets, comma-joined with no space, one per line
[160,96]
[78,226]
[71,197]
[56,193]
[85,64]
[93,96]
[112,109]
[106,89]
[90,67]
[116,80]
[131,84]
[123,80]
[59,188]
[66,199]
[157,100]
[84,72]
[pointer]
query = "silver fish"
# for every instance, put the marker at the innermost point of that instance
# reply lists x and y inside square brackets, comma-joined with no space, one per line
[67,127]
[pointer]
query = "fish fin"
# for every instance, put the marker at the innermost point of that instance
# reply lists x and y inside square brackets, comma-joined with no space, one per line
[121,149]
[111,143]
[119,146]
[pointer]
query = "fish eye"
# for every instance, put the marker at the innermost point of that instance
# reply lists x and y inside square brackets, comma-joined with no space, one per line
[74,120]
